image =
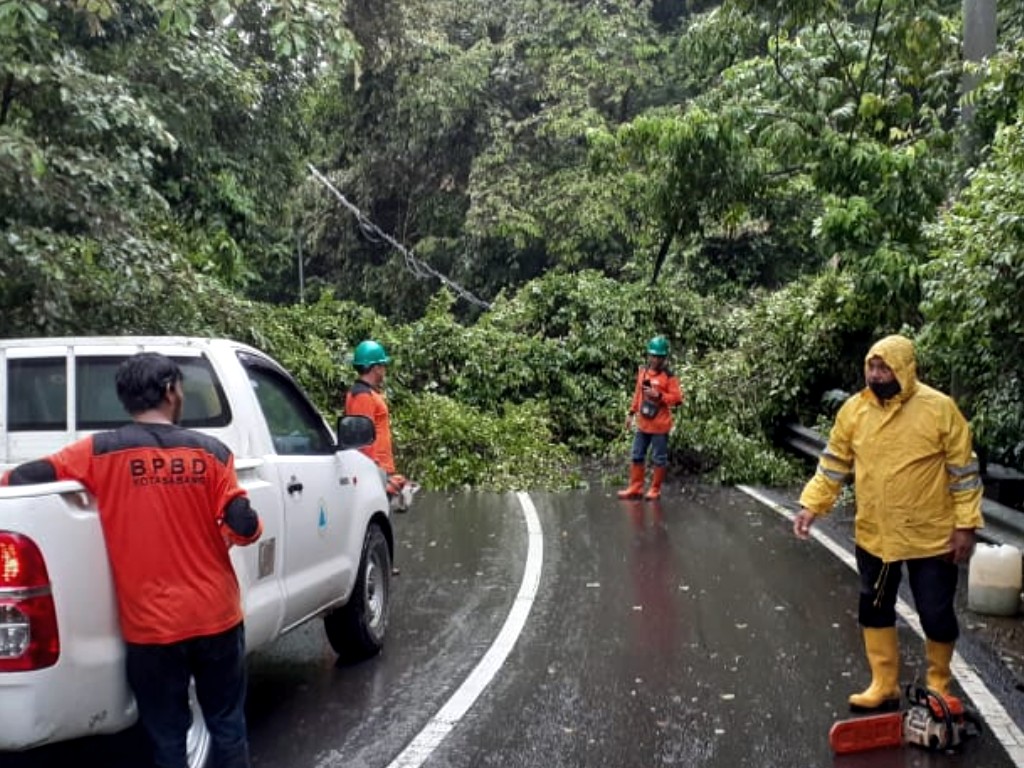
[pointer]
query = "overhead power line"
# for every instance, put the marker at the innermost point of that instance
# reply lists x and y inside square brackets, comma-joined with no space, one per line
[419,268]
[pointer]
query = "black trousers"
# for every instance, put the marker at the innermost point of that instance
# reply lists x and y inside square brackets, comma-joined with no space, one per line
[932,582]
[159,676]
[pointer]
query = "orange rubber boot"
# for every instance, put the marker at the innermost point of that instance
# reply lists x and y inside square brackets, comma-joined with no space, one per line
[636,483]
[654,492]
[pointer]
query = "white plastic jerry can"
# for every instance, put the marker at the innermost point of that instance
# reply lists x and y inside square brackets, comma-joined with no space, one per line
[994,580]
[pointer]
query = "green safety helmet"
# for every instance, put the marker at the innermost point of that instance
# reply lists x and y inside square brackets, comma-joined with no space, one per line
[369,353]
[658,346]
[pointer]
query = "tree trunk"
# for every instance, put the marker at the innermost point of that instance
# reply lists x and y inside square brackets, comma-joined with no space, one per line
[6,98]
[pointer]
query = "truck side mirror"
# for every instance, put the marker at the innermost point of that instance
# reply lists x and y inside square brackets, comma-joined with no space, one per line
[355,432]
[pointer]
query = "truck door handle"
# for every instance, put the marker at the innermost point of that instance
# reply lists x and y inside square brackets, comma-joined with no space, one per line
[294,487]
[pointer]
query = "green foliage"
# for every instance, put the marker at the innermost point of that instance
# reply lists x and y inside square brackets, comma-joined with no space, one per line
[505,94]
[57,285]
[787,349]
[697,150]
[891,192]
[127,134]
[736,456]
[974,331]
[542,380]
[571,341]
[797,341]
[842,148]
[315,343]
[443,443]
[794,165]
[1000,93]
[713,43]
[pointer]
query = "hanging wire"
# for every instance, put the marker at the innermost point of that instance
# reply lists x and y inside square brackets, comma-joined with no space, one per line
[373,233]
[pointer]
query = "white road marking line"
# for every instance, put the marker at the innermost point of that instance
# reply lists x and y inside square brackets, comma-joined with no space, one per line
[420,748]
[998,721]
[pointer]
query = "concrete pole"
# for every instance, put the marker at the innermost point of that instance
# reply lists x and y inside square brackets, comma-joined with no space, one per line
[979,42]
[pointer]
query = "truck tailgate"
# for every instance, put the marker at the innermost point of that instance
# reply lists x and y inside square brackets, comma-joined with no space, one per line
[85,692]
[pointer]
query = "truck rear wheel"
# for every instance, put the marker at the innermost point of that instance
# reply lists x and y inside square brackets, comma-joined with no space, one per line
[356,630]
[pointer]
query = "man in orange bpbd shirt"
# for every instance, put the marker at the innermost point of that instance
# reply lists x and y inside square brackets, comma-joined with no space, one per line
[170,507]
[366,398]
[655,394]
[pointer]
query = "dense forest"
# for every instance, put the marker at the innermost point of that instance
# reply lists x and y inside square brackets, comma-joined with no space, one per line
[514,196]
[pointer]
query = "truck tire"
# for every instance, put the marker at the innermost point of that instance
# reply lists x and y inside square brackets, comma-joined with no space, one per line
[198,744]
[356,630]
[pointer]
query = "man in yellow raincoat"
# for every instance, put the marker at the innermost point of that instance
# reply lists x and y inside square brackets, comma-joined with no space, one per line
[918,488]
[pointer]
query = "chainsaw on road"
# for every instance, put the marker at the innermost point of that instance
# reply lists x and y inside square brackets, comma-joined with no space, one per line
[935,722]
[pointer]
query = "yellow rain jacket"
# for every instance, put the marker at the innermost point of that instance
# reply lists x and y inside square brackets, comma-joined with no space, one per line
[916,476]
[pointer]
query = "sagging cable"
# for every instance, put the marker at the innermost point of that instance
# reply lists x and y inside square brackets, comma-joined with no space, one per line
[372,232]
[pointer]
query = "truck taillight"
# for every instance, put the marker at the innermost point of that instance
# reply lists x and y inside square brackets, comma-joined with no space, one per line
[28,619]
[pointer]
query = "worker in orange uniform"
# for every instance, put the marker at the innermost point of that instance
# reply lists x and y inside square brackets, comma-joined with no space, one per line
[657,392]
[366,398]
[170,508]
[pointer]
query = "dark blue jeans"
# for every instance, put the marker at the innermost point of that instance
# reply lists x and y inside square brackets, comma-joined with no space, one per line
[159,677]
[932,582]
[658,445]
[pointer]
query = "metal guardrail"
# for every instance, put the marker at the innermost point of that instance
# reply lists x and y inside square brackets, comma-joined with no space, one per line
[1003,524]
[803,440]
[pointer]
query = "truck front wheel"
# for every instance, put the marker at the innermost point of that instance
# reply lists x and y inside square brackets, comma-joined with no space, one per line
[356,630]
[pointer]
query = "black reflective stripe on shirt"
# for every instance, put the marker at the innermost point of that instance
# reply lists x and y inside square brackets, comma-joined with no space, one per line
[158,436]
[32,472]
[360,388]
[240,517]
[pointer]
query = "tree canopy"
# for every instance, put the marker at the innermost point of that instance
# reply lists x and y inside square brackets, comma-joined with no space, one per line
[770,184]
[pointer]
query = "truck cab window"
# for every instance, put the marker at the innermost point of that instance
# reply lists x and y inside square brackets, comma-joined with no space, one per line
[98,407]
[37,394]
[295,426]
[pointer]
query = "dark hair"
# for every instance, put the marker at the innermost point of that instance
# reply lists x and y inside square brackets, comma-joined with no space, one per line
[142,380]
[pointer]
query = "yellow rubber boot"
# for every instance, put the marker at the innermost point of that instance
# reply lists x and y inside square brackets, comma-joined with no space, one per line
[657,478]
[636,483]
[939,675]
[883,652]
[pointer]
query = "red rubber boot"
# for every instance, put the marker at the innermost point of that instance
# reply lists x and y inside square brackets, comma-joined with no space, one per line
[636,483]
[654,492]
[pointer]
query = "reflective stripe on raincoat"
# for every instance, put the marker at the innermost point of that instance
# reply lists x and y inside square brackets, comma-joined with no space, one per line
[916,476]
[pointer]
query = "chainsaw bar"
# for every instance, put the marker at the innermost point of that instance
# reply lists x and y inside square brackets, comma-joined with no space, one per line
[931,721]
[859,734]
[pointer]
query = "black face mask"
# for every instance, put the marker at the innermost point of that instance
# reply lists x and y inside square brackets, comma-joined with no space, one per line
[883,391]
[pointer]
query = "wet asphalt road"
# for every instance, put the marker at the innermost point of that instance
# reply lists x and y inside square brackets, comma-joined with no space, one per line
[694,632]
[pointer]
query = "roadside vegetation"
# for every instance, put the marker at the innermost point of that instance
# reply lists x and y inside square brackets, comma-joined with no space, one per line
[771,185]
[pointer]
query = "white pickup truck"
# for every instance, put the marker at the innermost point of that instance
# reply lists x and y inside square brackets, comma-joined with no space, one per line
[326,548]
